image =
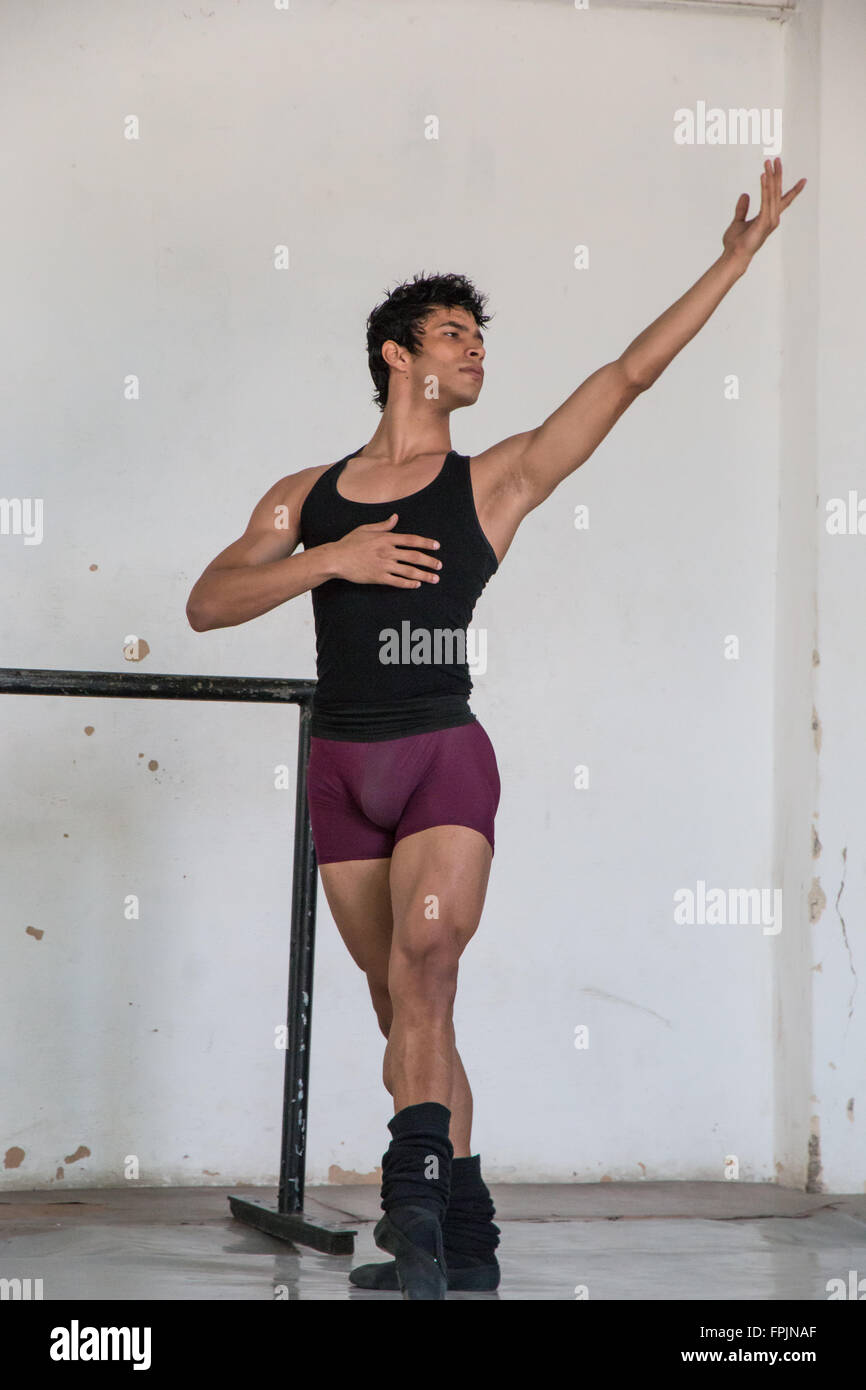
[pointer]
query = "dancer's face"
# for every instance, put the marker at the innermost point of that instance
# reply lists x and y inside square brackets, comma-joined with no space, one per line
[452,351]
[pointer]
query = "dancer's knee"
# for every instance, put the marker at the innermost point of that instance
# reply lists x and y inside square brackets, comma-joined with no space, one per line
[424,978]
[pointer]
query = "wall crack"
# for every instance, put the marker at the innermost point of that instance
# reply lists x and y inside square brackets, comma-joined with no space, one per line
[844,931]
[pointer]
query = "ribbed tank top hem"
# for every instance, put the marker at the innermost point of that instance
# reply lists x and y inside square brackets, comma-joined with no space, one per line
[376,723]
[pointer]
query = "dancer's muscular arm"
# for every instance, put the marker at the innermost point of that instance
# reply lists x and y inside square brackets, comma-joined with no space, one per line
[531,465]
[259,571]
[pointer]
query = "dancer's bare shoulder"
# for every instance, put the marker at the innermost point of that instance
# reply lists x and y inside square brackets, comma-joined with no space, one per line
[274,528]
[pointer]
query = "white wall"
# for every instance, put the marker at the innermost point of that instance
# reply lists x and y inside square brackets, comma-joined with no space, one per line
[838,1076]
[605,647]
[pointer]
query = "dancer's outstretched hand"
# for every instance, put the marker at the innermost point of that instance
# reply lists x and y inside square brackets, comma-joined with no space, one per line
[744,238]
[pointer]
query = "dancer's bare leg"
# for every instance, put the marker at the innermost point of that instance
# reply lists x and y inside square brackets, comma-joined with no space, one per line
[359,896]
[438,884]
[460,1128]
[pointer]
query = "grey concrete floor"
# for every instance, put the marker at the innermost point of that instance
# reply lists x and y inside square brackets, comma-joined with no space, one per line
[662,1241]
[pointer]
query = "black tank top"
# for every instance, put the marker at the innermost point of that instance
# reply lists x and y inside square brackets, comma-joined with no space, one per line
[392,661]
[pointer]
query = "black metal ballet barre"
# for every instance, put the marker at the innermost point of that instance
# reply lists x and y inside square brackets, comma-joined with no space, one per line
[288,1221]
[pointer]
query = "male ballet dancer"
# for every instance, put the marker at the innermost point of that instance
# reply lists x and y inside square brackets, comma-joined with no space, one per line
[400,538]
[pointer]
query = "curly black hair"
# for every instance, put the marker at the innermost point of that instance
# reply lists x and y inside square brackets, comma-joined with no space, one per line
[401,315]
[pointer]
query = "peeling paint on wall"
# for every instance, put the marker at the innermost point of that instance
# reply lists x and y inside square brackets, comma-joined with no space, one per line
[816,729]
[135,648]
[88,729]
[813,1172]
[38,932]
[344,1176]
[817,900]
[816,844]
[80,1152]
[13,1158]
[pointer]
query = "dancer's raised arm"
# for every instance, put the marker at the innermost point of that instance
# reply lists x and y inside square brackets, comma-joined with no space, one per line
[567,438]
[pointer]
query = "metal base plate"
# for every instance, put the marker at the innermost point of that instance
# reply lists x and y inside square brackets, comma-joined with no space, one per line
[294,1226]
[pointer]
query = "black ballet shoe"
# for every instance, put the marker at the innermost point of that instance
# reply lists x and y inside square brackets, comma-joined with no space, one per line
[482,1278]
[420,1273]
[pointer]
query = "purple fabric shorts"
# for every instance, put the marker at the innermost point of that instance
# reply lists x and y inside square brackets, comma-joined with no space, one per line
[364,797]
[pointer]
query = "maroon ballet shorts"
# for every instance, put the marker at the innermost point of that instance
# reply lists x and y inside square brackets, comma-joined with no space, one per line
[364,797]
